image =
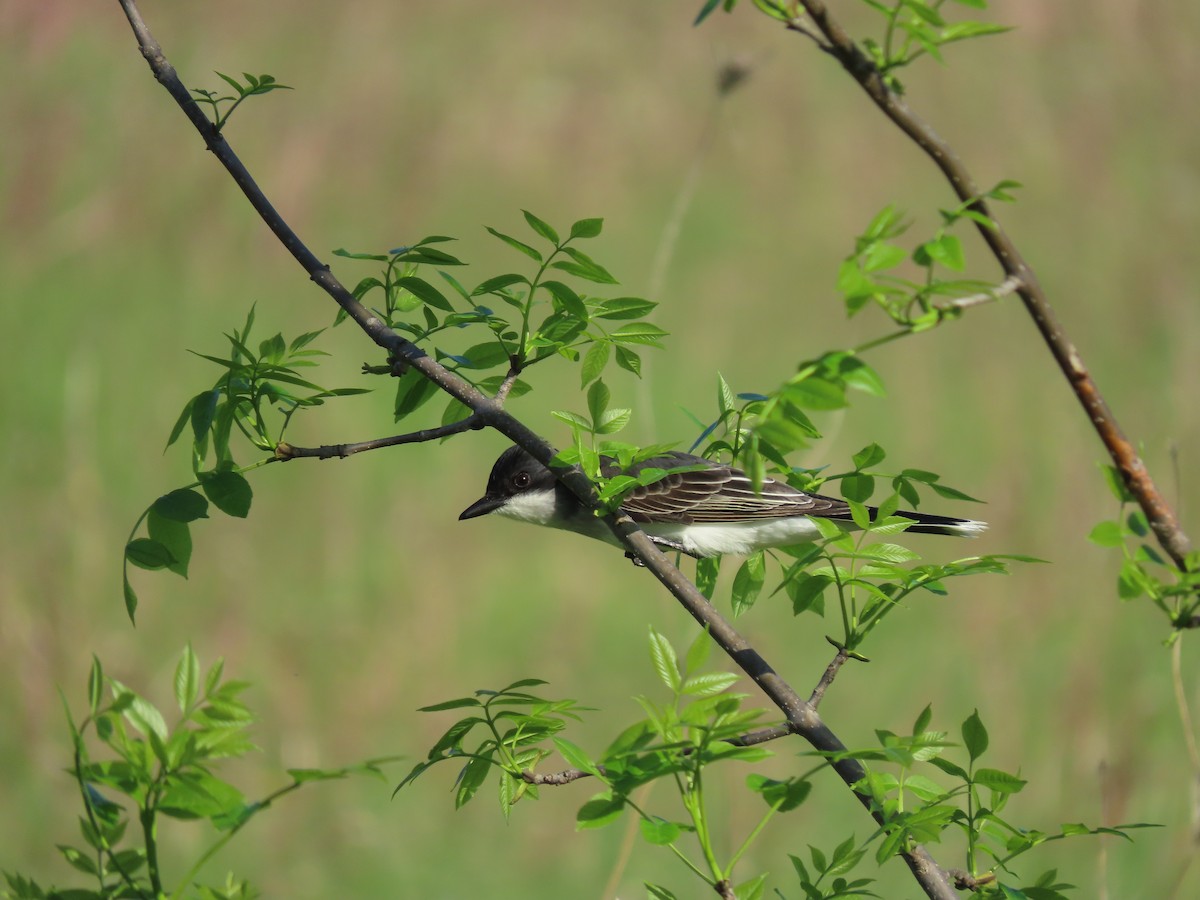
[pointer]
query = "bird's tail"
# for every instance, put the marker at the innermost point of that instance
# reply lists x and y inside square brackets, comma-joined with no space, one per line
[931,524]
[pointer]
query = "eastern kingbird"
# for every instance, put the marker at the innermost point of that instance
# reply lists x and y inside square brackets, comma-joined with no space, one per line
[707,510]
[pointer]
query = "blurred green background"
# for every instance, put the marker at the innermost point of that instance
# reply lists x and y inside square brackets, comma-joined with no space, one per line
[351,595]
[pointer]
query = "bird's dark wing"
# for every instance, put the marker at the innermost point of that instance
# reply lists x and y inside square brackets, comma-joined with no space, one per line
[715,493]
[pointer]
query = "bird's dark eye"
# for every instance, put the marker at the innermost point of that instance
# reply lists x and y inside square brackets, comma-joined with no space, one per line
[521,480]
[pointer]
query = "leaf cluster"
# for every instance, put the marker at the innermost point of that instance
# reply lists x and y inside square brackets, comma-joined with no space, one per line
[916,808]
[525,319]
[514,725]
[162,773]
[869,274]
[1144,571]
[257,394]
[255,85]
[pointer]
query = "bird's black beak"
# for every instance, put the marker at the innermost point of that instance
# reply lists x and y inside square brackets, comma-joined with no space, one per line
[481,507]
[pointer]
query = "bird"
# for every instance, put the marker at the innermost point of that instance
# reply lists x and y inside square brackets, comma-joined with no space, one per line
[703,509]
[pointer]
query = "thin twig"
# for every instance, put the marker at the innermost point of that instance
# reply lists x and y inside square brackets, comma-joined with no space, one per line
[285,451]
[1158,511]
[801,717]
[514,371]
[1010,285]
[830,673]
[555,779]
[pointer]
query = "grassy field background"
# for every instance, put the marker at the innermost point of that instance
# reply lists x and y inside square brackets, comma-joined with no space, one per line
[351,595]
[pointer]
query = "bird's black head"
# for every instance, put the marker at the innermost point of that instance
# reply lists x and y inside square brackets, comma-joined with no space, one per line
[515,473]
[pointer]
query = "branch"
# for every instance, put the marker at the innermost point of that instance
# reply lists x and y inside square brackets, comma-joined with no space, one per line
[285,451]
[566,776]
[1010,285]
[802,718]
[556,778]
[1158,511]
[831,671]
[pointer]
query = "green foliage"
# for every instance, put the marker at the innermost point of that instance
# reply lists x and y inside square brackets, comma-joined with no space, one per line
[257,394]
[1144,571]
[911,29]
[254,86]
[518,320]
[163,773]
[513,723]
[701,724]
[869,274]
[916,808]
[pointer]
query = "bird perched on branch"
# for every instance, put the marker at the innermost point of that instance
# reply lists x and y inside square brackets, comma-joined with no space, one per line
[703,509]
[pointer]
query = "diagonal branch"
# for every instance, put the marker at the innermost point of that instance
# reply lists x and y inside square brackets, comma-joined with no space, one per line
[802,718]
[1159,513]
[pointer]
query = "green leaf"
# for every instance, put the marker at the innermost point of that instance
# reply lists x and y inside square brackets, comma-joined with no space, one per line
[858,487]
[413,390]
[921,725]
[573,419]
[204,406]
[471,779]
[519,246]
[141,714]
[131,600]
[183,505]
[187,679]
[638,333]
[567,299]
[175,536]
[709,684]
[748,582]
[805,593]
[870,455]
[625,308]
[815,392]
[594,362]
[583,266]
[95,685]
[666,664]
[459,703]
[597,398]
[483,356]
[613,420]
[881,256]
[498,283]
[1000,782]
[575,756]
[701,647]
[587,228]
[147,554]
[1116,483]
[725,398]
[629,360]
[425,292]
[541,227]
[706,576]
[1107,534]
[659,831]
[974,735]
[229,492]
[184,418]
[948,251]
[599,811]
